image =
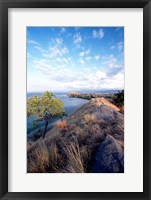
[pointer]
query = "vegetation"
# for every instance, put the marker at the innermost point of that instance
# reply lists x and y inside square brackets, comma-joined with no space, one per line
[62,125]
[45,107]
[119,98]
[71,145]
[35,124]
[69,150]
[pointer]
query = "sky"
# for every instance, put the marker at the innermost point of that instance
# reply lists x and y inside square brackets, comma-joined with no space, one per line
[75,58]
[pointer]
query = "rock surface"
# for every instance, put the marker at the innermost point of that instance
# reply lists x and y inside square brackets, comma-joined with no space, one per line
[111,121]
[109,157]
[98,128]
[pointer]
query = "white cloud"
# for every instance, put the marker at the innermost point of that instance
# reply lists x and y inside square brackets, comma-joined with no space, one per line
[58,49]
[84,53]
[68,79]
[109,60]
[63,30]
[112,66]
[119,46]
[59,59]
[65,60]
[88,58]
[33,42]
[81,61]
[57,41]
[116,81]
[36,45]
[81,54]
[95,34]
[97,57]
[58,69]
[29,55]
[98,34]
[77,39]
[100,74]
[39,49]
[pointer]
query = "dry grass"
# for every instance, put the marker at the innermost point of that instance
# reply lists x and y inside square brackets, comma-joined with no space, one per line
[90,118]
[39,160]
[75,161]
[121,109]
[62,125]
[59,157]
[69,151]
[70,147]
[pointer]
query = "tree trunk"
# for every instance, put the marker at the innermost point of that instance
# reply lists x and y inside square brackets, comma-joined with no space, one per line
[46,124]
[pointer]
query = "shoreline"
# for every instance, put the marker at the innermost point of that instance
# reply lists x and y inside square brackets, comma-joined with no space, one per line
[89,96]
[35,134]
[83,141]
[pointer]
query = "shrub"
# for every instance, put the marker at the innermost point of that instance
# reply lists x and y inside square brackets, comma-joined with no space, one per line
[118,98]
[62,125]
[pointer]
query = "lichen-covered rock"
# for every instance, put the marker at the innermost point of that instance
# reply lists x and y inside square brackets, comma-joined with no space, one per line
[109,157]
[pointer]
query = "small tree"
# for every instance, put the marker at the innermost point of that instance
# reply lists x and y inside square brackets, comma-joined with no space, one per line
[45,107]
[119,98]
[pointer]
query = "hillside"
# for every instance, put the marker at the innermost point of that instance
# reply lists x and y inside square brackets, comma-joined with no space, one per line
[90,140]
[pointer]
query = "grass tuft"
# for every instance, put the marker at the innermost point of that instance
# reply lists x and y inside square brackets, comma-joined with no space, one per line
[62,125]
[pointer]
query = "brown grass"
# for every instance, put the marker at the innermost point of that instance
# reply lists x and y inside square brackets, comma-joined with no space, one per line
[62,125]
[59,157]
[71,152]
[90,118]
[39,161]
[70,148]
[121,109]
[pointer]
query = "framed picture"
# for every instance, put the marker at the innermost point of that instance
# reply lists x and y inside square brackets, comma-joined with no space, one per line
[75,99]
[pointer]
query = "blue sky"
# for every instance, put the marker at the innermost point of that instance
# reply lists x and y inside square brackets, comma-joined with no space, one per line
[75,58]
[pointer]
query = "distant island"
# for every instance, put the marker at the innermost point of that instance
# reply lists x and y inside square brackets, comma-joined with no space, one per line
[115,98]
[89,96]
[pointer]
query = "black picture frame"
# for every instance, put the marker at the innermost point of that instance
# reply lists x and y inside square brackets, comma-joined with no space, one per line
[4,6]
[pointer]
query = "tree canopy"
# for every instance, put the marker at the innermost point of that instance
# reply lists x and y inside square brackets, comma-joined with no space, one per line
[46,106]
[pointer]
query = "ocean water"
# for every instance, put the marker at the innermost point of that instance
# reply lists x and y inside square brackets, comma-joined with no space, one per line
[70,105]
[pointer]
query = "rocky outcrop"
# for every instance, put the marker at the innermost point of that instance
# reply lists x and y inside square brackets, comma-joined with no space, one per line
[105,113]
[89,96]
[103,101]
[109,157]
[91,140]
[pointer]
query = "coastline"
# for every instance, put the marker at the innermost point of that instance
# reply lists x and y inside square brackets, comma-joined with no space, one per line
[107,99]
[96,129]
[89,96]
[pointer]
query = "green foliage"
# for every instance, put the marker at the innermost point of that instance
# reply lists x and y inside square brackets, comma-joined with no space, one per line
[35,124]
[118,98]
[46,106]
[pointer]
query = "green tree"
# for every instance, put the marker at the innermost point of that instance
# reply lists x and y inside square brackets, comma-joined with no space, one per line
[45,107]
[119,98]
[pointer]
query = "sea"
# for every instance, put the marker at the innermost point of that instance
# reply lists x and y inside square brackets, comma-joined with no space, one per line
[70,105]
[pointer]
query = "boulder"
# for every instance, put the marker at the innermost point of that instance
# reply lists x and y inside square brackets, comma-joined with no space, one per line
[109,157]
